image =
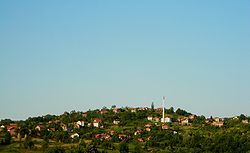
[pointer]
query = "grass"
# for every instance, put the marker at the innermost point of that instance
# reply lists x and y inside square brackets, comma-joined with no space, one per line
[14,148]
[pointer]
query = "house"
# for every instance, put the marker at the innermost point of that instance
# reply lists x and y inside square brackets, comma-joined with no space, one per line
[148,129]
[164,126]
[96,122]
[51,129]
[245,121]
[12,129]
[217,119]
[103,136]
[116,110]
[133,110]
[64,127]
[40,127]
[192,116]
[219,124]
[156,119]
[122,136]
[209,120]
[166,120]
[2,127]
[184,121]
[138,132]
[116,122]
[54,121]
[104,111]
[80,123]
[84,115]
[143,108]
[150,118]
[140,140]
[112,132]
[147,125]
[75,135]
[158,110]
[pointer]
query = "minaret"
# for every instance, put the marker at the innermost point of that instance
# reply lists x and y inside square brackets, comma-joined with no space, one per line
[163,110]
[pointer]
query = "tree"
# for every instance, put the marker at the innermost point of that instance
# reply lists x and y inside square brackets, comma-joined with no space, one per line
[91,148]
[5,137]
[182,112]
[28,143]
[56,150]
[45,143]
[170,110]
[124,147]
[152,106]
[242,117]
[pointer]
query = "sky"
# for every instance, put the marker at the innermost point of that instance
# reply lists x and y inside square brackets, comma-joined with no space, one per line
[59,55]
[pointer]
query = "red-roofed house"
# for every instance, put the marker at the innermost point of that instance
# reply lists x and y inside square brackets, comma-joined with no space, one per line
[96,122]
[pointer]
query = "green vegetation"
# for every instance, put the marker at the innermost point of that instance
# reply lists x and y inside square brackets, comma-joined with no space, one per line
[125,130]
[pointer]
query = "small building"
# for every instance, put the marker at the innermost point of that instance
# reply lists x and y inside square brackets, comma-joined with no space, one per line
[103,136]
[84,115]
[116,122]
[96,122]
[116,110]
[148,129]
[112,132]
[80,123]
[12,129]
[64,127]
[245,121]
[217,119]
[140,140]
[147,125]
[156,119]
[150,118]
[192,116]
[75,135]
[40,127]
[166,120]
[164,126]
[122,136]
[219,124]
[133,110]
[138,132]
[185,121]
[104,111]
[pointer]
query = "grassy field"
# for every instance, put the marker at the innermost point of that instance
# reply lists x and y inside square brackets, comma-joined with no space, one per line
[14,148]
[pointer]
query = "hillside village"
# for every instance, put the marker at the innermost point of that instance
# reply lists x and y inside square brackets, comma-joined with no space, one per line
[114,126]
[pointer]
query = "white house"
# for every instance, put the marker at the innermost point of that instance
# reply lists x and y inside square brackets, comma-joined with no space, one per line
[96,122]
[166,120]
[150,118]
[75,135]
[80,123]
[116,122]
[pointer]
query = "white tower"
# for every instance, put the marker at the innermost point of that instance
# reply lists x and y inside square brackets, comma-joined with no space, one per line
[163,110]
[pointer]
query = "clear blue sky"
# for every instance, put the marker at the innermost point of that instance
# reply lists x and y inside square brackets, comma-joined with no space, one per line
[58,56]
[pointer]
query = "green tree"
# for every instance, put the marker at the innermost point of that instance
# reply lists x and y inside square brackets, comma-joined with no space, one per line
[124,147]
[5,137]
[56,149]
[45,143]
[152,106]
[28,143]
[91,148]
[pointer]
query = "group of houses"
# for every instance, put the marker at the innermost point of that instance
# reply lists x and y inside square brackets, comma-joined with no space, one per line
[163,123]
